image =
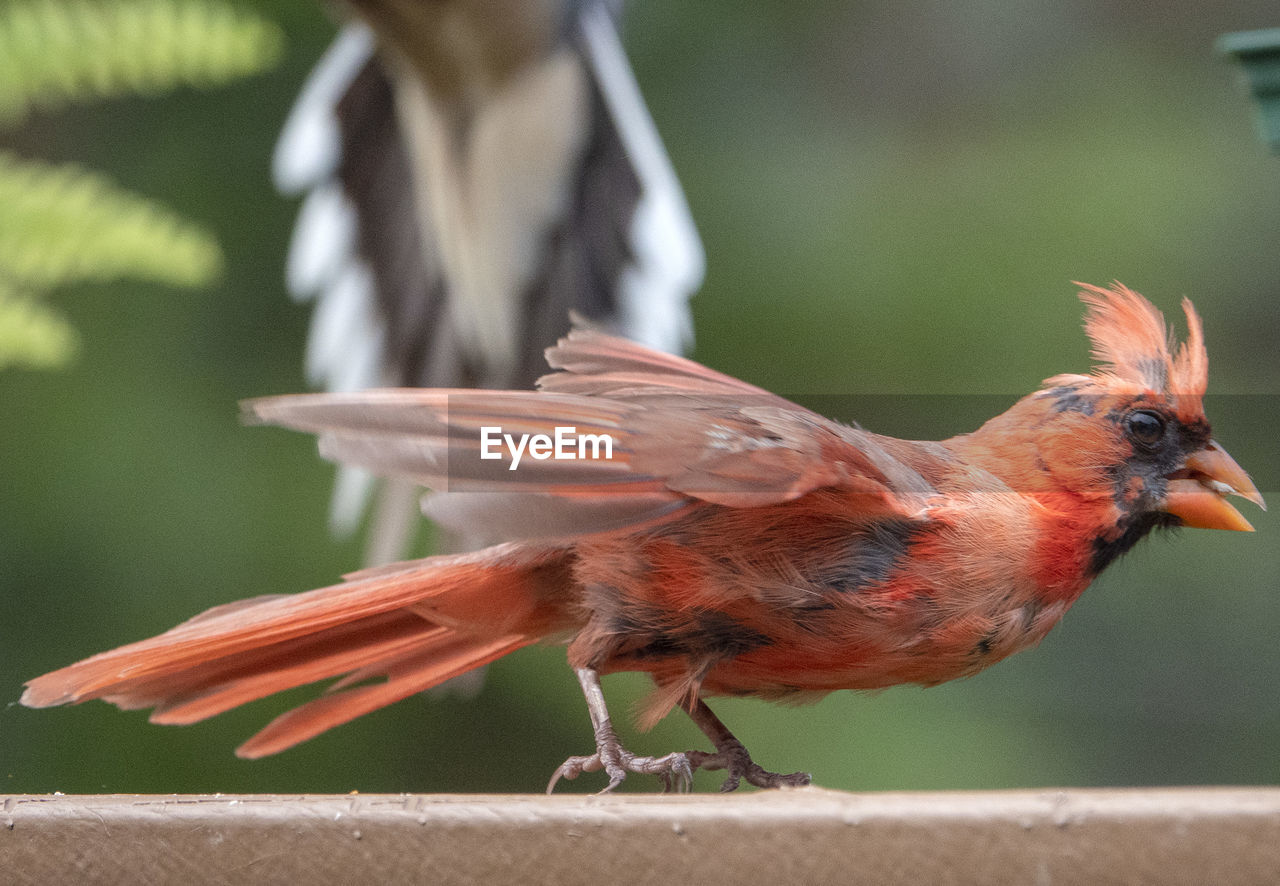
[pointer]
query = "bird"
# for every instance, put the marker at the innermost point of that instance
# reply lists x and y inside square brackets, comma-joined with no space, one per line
[719,538]
[472,174]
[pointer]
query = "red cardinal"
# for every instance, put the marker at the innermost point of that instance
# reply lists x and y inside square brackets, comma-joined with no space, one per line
[721,539]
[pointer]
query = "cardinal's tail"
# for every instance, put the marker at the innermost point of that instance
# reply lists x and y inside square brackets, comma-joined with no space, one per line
[415,624]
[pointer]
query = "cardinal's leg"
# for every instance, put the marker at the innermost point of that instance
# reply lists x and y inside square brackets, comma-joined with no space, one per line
[612,757]
[732,756]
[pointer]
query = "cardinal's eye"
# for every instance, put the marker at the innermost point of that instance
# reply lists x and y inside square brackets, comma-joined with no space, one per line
[1145,427]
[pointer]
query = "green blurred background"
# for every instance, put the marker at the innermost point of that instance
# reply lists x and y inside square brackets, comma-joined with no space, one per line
[894,196]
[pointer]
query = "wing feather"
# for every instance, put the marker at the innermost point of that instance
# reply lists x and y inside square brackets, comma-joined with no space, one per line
[680,433]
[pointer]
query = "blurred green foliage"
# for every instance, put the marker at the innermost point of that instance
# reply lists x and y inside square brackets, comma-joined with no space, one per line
[62,224]
[894,197]
[32,334]
[57,51]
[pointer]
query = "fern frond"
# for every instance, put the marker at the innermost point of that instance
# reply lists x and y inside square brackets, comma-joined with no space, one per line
[31,333]
[62,223]
[56,51]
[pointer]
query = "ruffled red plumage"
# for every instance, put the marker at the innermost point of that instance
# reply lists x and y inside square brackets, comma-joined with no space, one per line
[733,543]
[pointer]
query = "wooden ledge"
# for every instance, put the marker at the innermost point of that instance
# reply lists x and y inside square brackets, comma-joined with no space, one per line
[1174,835]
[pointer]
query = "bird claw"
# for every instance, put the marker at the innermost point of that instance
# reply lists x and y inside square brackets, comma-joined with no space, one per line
[676,770]
[735,759]
[617,761]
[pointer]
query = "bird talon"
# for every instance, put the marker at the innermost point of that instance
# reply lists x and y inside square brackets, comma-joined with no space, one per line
[762,778]
[733,757]
[680,778]
[572,768]
[673,769]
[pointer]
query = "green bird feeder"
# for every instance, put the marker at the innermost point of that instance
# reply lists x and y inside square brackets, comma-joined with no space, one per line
[1258,53]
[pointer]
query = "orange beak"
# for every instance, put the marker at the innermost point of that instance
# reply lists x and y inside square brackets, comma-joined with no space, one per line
[1198,494]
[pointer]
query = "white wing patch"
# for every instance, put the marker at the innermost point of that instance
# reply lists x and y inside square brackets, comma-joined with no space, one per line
[310,144]
[344,348]
[669,260]
[324,240]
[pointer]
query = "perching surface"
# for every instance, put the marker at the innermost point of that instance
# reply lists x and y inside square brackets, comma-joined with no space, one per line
[1173,835]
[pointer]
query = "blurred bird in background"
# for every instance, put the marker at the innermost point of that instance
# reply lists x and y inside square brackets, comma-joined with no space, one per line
[473,173]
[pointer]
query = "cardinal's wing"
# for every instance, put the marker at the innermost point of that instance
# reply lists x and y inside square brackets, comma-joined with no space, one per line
[622,435]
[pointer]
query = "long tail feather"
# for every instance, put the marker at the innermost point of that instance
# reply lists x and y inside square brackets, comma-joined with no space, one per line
[416,624]
[450,656]
[246,678]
